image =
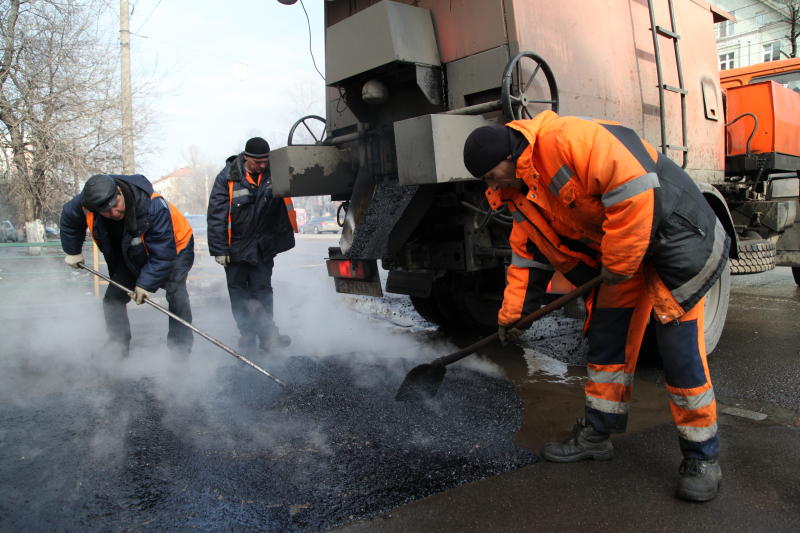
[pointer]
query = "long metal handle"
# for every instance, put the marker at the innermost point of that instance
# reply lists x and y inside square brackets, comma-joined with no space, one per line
[172,315]
[525,321]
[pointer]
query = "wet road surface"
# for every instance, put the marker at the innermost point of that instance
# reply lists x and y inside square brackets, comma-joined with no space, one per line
[160,442]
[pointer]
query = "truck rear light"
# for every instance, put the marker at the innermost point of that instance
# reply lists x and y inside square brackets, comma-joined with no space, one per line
[345,268]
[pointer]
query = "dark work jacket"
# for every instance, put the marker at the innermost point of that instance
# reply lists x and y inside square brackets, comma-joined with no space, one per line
[259,222]
[151,260]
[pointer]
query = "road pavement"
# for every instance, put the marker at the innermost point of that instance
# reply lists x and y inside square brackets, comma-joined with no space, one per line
[158,442]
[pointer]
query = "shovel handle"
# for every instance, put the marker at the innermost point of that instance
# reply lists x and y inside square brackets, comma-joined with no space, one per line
[523,322]
[173,316]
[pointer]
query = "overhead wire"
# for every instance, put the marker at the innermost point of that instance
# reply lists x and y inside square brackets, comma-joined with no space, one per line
[314,61]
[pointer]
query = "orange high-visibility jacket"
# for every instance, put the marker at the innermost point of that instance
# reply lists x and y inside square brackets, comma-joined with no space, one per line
[595,189]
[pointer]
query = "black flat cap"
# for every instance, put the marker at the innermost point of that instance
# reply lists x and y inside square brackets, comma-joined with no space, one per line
[485,148]
[100,193]
[256,147]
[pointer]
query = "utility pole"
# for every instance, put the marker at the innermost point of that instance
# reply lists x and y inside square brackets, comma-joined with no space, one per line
[125,72]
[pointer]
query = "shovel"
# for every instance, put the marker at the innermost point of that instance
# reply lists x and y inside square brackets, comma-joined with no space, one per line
[423,381]
[172,315]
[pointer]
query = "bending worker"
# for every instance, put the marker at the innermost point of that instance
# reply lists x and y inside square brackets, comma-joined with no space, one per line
[147,244]
[589,196]
[247,228]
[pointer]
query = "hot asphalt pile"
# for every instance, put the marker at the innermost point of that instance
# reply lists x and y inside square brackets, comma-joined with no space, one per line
[331,448]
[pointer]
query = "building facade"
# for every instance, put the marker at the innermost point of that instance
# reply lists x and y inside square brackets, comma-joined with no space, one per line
[758,34]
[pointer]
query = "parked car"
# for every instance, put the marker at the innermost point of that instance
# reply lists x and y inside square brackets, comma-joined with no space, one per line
[51,233]
[8,233]
[198,223]
[321,225]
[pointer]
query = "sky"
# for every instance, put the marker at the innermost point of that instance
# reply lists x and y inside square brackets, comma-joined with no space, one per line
[221,72]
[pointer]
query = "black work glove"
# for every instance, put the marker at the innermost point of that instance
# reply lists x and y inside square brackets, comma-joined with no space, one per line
[507,334]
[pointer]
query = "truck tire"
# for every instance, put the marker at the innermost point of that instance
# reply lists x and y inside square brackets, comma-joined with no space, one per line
[718,298]
[464,303]
[796,274]
[755,255]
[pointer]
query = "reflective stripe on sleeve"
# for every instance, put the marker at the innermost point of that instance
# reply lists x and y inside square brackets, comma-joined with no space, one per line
[560,179]
[136,241]
[697,434]
[621,378]
[523,262]
[643,183]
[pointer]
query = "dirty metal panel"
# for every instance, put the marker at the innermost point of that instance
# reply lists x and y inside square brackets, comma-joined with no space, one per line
[605,66]
[467,27]
[378,35]
[475,74]
[311,171]
[430,148]
[339,116]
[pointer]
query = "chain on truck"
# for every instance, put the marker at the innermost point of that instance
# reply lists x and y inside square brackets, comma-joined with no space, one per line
[408,81]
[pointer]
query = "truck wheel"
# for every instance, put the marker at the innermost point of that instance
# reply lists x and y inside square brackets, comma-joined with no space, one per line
[716,309]
[428,309]
[755,255]
[796,274]
[464,303]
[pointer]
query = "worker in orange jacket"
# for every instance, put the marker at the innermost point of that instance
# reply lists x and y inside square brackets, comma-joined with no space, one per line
[590,196]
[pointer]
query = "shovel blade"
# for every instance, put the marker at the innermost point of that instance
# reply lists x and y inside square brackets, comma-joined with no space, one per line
[421,383]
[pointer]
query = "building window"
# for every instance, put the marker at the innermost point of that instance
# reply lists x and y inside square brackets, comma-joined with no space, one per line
[761,19]
[727,61]
[772,51]
[726,28]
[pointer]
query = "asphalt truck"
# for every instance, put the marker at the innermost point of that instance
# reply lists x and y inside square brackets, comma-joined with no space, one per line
[407,81]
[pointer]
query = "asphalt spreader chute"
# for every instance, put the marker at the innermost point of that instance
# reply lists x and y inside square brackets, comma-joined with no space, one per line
[206,336]
[423,381]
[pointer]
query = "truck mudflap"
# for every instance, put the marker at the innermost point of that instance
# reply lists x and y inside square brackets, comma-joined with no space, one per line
[353,276]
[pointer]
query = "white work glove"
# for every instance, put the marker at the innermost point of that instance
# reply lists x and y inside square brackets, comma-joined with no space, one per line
[139,295]
[223,260]
[73,260]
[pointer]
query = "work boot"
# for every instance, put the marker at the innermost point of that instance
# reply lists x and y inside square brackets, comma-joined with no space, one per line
[247,341]
[116,348]
[700,479]
[273,339]
[584,442]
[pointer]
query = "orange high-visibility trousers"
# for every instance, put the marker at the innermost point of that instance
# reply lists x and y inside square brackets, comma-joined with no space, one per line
[619,317]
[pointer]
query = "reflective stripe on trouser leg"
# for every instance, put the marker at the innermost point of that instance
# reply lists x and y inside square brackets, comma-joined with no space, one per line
[692,403]
[617,326]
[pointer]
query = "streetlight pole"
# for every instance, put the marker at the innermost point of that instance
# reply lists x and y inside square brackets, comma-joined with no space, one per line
[125,85]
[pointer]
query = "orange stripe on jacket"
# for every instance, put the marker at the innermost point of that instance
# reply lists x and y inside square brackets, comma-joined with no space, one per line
[291,212]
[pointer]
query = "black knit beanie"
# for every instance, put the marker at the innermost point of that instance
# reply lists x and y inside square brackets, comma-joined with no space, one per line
[485,148]
[256,147]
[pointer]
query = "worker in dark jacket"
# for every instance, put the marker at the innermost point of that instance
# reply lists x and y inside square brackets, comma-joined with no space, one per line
[591,197]
[147,244]
[247,227]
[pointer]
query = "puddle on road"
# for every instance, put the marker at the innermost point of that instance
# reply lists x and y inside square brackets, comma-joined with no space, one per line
[552,395]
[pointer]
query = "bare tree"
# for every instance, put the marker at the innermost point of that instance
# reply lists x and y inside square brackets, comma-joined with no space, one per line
[790,15]
[59,104]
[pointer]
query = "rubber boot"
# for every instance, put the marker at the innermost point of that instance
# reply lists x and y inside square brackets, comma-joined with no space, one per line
[583,443]
[700,480]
